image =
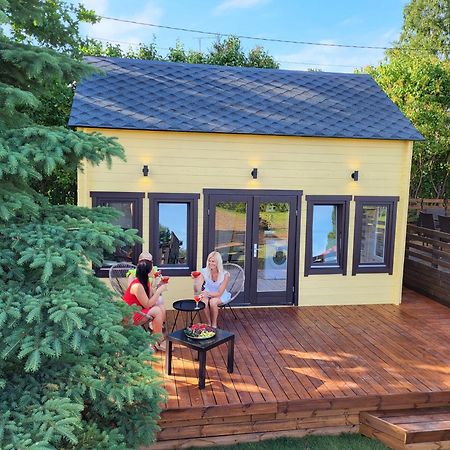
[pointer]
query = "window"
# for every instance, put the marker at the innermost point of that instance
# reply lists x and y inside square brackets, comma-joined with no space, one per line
[130,204]
[373,249]
[173,232]
[326,234]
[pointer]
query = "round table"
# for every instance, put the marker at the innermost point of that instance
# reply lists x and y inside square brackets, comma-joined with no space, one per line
[188,306]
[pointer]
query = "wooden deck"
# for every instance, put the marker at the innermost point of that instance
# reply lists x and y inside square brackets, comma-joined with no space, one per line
[294,365]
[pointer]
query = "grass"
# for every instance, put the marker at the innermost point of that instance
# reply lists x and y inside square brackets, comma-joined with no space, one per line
[341,442]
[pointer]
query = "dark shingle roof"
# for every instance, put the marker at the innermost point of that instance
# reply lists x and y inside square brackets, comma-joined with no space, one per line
[154,95]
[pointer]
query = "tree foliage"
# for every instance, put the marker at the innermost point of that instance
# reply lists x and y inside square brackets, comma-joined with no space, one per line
[224,52]
[420,86]
[71,375]
[416,76]
[426,27]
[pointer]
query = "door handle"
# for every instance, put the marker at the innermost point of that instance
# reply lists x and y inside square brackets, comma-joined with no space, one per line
[255,250]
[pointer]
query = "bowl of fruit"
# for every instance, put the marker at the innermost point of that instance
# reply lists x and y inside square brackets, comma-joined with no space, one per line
[200,331]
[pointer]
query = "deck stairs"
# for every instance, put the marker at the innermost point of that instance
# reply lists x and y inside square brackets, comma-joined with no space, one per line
[413,429]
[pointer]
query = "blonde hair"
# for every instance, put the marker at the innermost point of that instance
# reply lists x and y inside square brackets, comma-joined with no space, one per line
[218,259]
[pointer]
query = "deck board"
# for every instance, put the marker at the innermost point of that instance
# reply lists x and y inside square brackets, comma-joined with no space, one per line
[291,353]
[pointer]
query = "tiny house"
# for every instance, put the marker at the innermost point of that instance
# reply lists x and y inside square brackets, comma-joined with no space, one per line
[301,178]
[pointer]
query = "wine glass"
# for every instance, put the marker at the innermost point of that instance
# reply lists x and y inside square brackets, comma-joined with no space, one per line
[196,300]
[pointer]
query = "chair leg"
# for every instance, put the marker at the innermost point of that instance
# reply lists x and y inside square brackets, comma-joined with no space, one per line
[231,309]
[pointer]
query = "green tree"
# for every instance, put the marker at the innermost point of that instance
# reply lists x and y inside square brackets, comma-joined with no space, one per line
[71,375]
[427,27]
[419,84]
[416,76]
[226,52]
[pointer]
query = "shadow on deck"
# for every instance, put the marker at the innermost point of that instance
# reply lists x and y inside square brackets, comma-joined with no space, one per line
[309,370]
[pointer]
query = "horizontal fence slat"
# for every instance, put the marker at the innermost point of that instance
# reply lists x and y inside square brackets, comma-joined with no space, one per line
[427,262]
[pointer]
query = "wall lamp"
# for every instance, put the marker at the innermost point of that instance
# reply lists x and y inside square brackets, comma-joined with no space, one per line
[254,173]
[355,175]
[145,171]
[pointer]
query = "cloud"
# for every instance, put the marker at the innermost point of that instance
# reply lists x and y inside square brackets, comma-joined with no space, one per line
[125,32]
[336,59]
[228,5]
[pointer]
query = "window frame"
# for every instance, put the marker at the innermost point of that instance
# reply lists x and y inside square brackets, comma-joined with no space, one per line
[191,199]
[342,202]
[388,265]
[137,198]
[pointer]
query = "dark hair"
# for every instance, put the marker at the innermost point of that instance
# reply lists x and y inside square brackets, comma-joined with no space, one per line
[143,268]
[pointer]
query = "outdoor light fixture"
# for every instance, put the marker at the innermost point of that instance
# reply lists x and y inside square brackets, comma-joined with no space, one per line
[355,175]
[145,171]
[254,173]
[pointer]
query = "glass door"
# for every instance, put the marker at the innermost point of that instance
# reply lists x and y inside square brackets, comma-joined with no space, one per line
[273,250]
[228,232]
[257,232]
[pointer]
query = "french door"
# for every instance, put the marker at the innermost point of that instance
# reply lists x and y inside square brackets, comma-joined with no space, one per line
[258,230]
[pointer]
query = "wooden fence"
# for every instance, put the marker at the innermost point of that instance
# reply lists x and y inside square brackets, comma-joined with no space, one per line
[433,205]
[427,263]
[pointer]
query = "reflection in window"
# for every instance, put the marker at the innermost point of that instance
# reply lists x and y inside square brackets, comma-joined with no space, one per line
[173,230]
[121,254]
[129,204]
[373,234]
[126,208]
[324,234]
[373,248]
[272,252]
[231,219]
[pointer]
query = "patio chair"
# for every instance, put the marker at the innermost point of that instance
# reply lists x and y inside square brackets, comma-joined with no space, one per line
[444,223]
[118,276]
[426,220]
[235,283]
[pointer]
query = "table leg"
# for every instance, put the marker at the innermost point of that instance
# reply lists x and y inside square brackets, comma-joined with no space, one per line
[230,363]
[175,322]
[197,313]
[201,369]
[169,358]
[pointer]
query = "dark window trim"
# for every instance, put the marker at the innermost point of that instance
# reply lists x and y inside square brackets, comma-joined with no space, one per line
[100,197]
[343,202]
[257,192]
[253,192]
[192,229]
[388,265]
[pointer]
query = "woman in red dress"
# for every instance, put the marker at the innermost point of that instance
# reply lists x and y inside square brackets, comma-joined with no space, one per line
[140,293]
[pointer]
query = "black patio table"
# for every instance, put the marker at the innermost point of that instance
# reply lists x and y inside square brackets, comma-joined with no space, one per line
[188,306]
[202,346]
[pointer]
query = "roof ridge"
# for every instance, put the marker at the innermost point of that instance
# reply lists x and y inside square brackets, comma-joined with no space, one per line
[224,67]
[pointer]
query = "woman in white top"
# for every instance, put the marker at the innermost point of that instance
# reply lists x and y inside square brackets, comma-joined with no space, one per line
[215,292]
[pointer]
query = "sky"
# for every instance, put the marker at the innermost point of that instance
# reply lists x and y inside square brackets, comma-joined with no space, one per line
[373,23]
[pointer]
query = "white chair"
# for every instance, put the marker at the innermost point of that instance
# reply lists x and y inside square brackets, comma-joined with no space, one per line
[118,276]
[119,282]
[235,283]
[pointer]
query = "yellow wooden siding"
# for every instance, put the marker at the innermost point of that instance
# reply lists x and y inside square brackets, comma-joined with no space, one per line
[190,162]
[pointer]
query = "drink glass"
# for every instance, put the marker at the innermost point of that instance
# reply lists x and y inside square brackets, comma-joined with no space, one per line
[196,300]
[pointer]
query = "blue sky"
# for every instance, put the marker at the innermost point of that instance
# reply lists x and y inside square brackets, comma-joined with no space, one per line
[352,22]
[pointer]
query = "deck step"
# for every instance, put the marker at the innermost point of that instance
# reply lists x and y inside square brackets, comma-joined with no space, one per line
[418,429]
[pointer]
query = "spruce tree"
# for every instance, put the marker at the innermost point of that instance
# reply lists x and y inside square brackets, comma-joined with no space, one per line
[71,375]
